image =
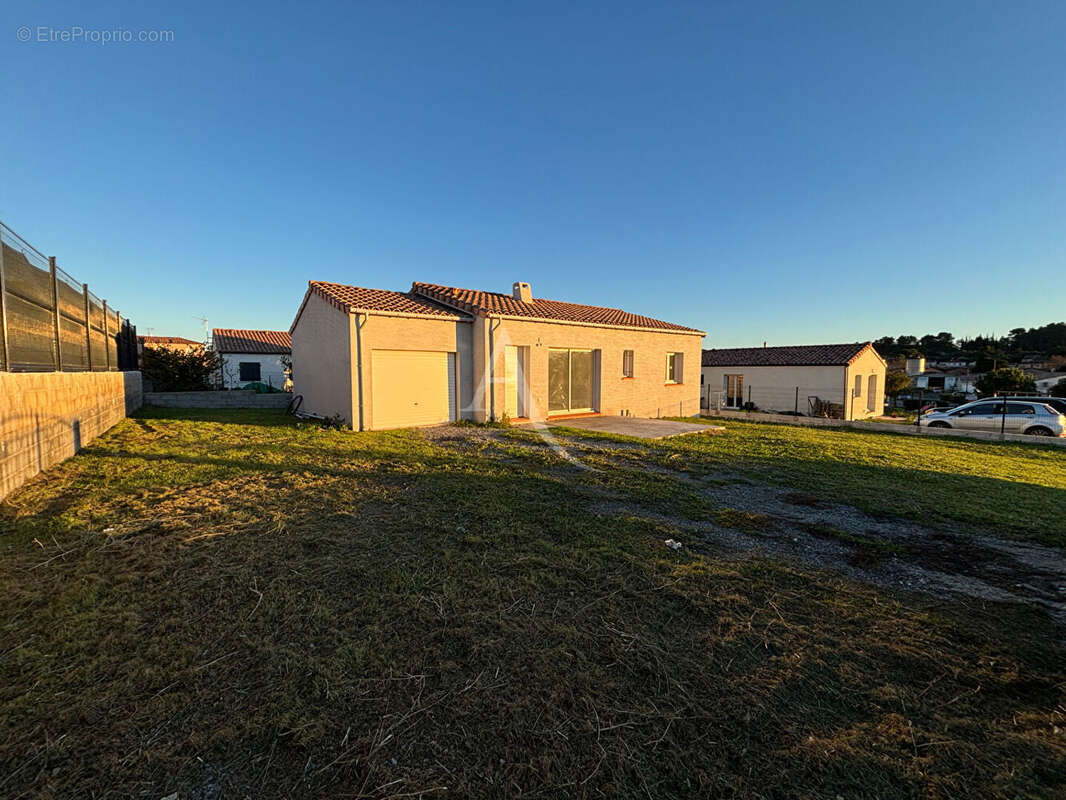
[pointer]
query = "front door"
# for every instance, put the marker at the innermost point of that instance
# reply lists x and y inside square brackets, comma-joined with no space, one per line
[570,381]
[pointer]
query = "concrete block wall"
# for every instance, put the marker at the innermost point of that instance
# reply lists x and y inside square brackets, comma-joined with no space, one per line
[46,417]
[233,399]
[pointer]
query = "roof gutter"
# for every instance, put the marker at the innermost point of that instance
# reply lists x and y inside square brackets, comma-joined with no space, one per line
[359,361]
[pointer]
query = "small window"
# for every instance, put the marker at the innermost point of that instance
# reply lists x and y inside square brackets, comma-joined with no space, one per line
[627,363]
[858,385]
[673,367]
[250,370]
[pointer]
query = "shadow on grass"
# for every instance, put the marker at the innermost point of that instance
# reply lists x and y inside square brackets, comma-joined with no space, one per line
[478,629]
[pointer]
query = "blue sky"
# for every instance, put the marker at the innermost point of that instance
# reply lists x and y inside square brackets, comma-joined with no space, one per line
[782,172]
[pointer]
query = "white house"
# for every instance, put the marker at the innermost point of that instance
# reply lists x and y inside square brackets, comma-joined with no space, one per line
[1045,379]
[941,380]
[252,357]
[825,380]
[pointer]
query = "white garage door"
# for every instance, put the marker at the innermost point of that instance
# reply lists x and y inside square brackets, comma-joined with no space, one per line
[412,387]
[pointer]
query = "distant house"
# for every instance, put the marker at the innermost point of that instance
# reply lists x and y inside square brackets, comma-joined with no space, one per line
[834,380]
[947,380]
[1045,379]
[384,359]
[252,357]
[953,363]
[175,343]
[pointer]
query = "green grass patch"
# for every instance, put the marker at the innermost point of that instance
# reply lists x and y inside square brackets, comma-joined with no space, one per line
[1013,489]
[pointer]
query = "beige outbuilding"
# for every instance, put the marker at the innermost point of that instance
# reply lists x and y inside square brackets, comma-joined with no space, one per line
[380,359]
[826,380]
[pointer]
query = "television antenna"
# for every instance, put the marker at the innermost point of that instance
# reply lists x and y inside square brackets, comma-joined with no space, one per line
[207,330]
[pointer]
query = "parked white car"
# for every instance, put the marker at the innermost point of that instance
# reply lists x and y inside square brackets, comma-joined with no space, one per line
[1035,419]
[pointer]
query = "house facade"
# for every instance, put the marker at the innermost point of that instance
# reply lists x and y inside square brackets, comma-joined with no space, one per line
[845,381]
[382,359]
[252,356]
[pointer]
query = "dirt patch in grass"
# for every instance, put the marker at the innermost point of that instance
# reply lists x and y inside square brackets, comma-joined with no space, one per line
[229,604]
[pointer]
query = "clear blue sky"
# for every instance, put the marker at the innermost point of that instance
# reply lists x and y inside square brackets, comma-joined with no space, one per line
[781,172]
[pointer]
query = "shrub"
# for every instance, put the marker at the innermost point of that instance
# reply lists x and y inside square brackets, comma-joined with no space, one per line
[1005,379]
[896,382]
[177,371]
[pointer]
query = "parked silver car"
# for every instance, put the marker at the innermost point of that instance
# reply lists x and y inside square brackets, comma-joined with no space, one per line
[1036,419]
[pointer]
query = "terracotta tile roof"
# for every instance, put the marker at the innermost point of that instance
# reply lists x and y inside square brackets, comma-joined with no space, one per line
[165,340]
[355,297]
[485,303]
[231,340]
[804,355]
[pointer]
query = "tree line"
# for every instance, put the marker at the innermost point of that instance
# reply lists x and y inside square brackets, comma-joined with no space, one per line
[1047,340]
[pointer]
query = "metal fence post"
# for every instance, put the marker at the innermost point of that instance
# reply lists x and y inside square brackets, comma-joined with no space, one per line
[55,313]
[107,346]
[3,313]
[88,329]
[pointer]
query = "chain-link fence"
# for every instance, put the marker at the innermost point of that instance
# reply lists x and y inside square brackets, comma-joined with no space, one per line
[49,322]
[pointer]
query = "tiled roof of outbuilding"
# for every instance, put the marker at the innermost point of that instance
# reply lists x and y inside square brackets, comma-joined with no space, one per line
[804,355]
[234,340]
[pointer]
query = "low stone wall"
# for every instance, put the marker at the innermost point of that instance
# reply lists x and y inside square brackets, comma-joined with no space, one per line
[46,417]
[234,399]
[879,427]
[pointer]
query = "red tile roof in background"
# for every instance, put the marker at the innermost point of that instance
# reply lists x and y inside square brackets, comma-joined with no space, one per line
[804,355]
[485,303]
[235,340]
[165,340]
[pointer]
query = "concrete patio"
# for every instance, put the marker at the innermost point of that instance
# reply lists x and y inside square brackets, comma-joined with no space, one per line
[638,426]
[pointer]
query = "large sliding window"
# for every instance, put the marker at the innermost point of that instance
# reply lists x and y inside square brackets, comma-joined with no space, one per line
[734,390]
[570,377]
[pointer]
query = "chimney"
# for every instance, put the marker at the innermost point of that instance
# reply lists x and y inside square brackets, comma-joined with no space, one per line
[521,292]
[764,345]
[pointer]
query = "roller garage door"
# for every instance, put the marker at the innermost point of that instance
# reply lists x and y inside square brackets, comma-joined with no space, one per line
[412,387]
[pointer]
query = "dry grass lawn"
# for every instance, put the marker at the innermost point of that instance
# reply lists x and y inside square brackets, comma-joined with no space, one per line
[229,604]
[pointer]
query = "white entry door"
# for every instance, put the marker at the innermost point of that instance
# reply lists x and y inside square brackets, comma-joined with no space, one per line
[412,387]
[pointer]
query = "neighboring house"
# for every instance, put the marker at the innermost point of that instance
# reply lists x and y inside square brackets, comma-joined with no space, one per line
[382,359]
[1045,379]
[836,380]
[175,343]
[943,380]
[953,363]
[252,356]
